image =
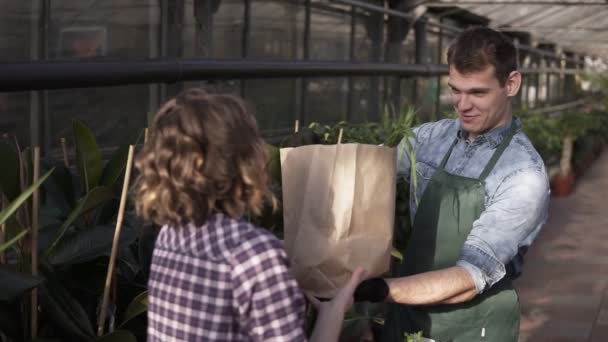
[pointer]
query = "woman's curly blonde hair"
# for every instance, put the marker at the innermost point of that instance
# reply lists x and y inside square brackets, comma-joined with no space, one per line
[204,155]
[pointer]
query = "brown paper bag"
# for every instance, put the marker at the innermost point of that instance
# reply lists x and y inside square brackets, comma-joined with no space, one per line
[338,211]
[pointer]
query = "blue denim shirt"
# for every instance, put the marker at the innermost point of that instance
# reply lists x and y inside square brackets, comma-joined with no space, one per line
[516,193]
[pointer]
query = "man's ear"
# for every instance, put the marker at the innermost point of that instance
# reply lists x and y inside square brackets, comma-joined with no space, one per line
[513,83]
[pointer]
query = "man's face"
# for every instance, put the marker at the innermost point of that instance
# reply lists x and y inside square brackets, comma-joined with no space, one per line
[481,103]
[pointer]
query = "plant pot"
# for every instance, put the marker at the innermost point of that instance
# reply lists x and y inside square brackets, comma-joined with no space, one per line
[562,186]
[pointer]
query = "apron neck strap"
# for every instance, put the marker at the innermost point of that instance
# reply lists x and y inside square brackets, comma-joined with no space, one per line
[447,155]
[499,150]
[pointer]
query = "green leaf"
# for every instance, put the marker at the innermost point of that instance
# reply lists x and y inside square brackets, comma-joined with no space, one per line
[12,241]
[87,244]
[274,163]
[88,156]
[62,308]
[91,200]
[14,205]
[9,173]
[60,188]
[118,336]
[15,284]
[115,166]
[138,306]
[395,253]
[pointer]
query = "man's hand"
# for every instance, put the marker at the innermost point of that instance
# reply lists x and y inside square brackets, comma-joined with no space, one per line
[371,290]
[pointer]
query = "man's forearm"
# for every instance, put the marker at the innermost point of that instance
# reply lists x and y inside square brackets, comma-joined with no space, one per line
[447,286]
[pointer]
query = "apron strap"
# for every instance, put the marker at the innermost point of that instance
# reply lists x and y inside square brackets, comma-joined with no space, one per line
[499,150]
[447,155]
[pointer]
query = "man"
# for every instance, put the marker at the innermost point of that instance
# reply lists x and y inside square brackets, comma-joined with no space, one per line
[482,193]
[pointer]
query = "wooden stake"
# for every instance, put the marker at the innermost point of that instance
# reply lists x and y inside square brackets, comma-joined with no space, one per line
[34,239]
[340,136]
[145,135]
[109,275]
[297,126]
[64,148]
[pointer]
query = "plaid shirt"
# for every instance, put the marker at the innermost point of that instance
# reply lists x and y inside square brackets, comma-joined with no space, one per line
[224,281]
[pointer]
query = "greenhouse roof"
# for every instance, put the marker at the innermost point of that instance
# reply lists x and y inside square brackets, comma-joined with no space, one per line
[573,25]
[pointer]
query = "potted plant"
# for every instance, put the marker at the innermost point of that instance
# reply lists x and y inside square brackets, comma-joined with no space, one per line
[569,126]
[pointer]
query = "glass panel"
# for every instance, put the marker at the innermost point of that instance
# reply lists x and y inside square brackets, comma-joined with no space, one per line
[215,86]
[433,46]
[15,116]
[212,29]
[277,29]
[329,34]
[16,20]
[114,114]
[369,37]
[18,24]
[360,103]
[327,100]
[426,94]
[408,49]
[228,24]
[82,29]
[274,101]
[445,99]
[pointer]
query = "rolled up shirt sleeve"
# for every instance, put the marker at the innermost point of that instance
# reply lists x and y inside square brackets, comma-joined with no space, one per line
[511,221]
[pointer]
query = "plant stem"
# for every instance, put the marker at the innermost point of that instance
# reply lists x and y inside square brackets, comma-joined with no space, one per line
[565,168]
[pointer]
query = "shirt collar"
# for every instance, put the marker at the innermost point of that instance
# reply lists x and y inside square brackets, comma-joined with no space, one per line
[493,137]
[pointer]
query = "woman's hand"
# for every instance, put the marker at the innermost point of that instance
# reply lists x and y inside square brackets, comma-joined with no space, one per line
[331,313]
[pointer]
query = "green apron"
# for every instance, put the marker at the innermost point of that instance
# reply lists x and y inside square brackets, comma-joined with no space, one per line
[449,206]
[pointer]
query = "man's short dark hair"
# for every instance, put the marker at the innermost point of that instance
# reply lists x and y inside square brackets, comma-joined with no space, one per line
[477,48]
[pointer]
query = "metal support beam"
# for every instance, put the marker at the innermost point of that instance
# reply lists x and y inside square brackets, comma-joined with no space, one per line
[62,75]
[351,58]
[245,39]
[154,50]
[302,114]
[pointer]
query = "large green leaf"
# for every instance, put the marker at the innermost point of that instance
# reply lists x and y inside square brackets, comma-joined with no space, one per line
[87,244]
[63,309]
[91,200]
[138,306]
[10,324]
[274,163]
[14,205]
[9,173]
[118,336]
[88,156]
[14,284]
[60,189]
[115,166]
